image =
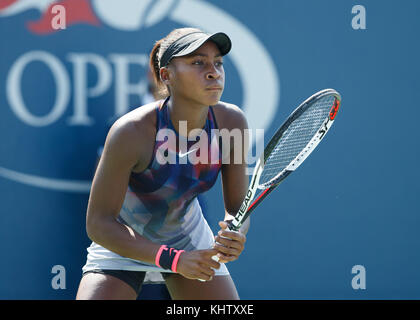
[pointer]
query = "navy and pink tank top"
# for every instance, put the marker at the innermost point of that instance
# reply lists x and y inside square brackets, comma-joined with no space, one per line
[161,201]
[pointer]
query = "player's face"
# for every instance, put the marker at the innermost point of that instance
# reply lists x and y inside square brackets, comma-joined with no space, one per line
[199,77]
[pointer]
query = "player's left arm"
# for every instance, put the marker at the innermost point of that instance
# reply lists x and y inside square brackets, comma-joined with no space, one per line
[230,244]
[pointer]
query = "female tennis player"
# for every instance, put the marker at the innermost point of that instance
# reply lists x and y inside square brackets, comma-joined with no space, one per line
[143,214]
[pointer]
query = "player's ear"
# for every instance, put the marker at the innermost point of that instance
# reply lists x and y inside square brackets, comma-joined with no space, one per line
[165,75]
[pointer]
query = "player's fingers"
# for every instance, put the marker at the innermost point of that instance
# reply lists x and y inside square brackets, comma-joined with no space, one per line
[208,253]
[229,243]
[204,269]
[229,251]
[223,225]
[223,258]
[234,235]
[204,277]
[214,263]
[211,261]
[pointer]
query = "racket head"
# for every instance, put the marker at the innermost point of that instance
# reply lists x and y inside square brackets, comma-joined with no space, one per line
[298,136]
[326,104]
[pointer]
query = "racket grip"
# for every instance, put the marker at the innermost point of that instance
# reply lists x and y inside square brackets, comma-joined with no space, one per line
[215,258]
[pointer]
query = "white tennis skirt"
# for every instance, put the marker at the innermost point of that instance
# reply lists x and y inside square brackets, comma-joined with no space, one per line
[199,236]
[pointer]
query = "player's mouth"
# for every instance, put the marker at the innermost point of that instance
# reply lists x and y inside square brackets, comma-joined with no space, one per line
[214,88]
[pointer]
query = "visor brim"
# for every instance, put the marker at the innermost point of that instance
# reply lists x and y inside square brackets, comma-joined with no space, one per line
[221,39]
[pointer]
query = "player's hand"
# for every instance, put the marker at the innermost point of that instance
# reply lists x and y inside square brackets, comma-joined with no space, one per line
[229,244]
[198,264]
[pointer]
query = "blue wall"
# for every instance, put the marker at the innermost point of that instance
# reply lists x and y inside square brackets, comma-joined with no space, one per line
[352,203]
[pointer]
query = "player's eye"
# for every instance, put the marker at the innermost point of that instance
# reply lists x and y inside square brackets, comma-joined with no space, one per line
[198,62]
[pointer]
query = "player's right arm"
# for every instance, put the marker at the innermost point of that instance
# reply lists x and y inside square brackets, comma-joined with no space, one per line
[129,144]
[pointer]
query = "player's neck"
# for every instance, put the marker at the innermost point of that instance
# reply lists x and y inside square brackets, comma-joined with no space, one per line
[193,113]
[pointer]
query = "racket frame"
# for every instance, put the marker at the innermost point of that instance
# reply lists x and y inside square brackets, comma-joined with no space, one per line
[248,205]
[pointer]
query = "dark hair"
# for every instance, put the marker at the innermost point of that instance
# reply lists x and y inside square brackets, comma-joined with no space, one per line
[156,54]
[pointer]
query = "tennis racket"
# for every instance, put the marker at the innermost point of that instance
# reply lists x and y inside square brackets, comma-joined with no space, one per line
[293,142]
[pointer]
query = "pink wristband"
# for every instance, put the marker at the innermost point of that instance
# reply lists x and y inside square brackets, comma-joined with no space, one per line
[158,254]
[175,262]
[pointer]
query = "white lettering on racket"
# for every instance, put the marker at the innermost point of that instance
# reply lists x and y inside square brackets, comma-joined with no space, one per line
[310,146]
[324,129]
[244,205]
[249,195]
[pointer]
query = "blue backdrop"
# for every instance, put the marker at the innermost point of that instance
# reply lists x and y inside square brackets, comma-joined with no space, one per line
[352,203]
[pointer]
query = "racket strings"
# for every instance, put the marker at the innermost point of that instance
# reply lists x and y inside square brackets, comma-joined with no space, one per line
[296,137]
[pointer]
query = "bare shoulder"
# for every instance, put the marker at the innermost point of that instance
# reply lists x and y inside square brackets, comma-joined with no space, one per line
[229,116]
[133,135]
[133,125]
[136,121]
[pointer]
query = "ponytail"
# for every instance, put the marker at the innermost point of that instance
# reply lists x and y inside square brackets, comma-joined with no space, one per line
[161,90]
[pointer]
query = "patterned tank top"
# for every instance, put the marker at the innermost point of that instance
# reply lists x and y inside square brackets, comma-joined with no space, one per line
[161,203]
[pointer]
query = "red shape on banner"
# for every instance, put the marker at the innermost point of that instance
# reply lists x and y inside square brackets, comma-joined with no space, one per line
[77,11]
[6,3]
